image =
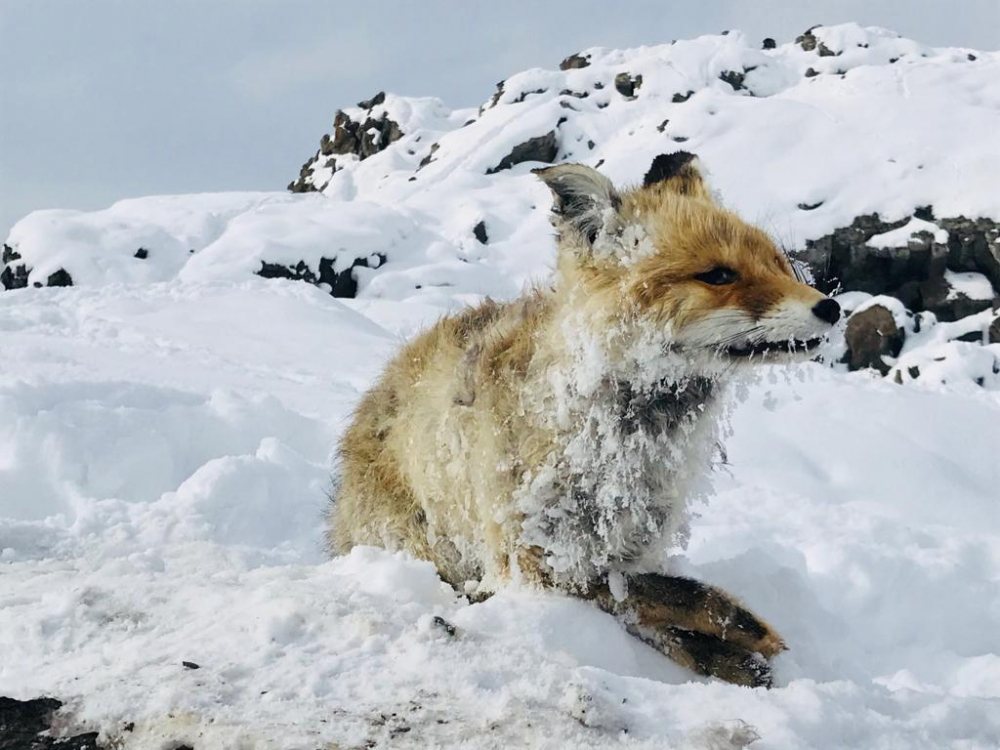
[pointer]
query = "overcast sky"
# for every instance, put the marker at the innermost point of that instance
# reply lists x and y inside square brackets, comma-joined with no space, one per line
[101,100]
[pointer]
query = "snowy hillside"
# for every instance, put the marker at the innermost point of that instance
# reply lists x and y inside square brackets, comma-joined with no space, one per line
[166,423]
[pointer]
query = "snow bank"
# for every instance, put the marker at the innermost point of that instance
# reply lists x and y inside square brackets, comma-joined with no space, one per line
[163,454]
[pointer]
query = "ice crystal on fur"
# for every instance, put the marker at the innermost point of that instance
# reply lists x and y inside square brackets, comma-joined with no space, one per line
[637,436]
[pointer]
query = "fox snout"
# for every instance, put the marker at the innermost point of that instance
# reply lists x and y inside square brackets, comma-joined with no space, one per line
[827,310]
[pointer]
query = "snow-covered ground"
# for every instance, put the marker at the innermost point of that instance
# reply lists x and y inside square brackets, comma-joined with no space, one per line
[166,426]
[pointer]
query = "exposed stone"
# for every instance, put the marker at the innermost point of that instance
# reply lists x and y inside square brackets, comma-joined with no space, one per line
[496,96]
[574,61]
[627,84]
[9,254]
[913,273]
[970,337]
[871,335]
[361,138]
[681,98]
[734,79]
[810,43]
[342,284]
[525,94]
[142,253]
[430,156]
[59,278]
[376,100]
[14,277]
[769,43]
[811,72]
[479,231]
[993,334]
[22,722]
[542,148]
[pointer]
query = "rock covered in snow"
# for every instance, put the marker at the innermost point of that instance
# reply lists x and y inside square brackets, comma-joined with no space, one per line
[871,335]
[920,260]
[355,134]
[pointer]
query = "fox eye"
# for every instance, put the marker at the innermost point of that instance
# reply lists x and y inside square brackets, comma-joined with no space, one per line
[718,276]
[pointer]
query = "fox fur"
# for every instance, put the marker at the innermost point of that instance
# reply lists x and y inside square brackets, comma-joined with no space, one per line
[555,440]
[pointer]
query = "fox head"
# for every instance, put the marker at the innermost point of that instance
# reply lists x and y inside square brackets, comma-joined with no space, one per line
[665,255]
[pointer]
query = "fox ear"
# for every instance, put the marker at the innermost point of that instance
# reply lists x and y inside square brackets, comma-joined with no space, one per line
[583,197]
[680,172]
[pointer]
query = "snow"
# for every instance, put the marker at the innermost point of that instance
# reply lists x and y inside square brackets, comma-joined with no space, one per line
[972,285]
[166,427]
[901,237]
[163,453]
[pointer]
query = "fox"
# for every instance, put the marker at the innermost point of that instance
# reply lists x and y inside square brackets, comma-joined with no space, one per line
[555,441]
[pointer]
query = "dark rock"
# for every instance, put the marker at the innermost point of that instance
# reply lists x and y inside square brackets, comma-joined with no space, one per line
[525,94]
[190,665]
[974,245]
[542,148]
[342,284]
[14,277]
[59,278]
[574,61]
[871,335]
[809,206]
[9,254]
[811,72]
[914,372]
[361,138]
[376,100]
[21,723]
[430,156]
[769,43]
[810,43]
[993,334]
[733,78]
[576,94]
[972,57]
[479,231]
[627,84]
[914,273]
[496,97]
[970,337]
[142,253]
[681,98]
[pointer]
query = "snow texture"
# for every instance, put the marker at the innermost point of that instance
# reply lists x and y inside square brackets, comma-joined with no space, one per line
[166,427]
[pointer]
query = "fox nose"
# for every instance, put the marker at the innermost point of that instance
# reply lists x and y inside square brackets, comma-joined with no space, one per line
[827,310]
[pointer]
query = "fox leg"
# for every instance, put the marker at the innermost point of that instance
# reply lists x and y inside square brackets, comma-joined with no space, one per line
[698,626]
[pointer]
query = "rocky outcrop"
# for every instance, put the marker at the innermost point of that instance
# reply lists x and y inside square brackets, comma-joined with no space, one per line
[339,284]
[914,271]
[17,275]
[360,138]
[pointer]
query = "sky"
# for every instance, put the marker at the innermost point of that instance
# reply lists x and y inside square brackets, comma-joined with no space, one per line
[108,99]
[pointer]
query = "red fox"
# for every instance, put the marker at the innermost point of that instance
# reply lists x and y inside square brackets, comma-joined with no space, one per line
[554,440]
